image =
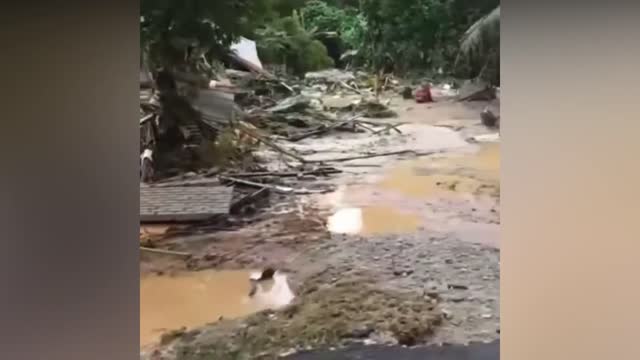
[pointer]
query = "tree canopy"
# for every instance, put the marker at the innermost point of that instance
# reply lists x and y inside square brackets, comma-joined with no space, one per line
[456,36]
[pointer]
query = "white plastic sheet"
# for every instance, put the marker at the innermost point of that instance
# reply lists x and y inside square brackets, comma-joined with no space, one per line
[246,49]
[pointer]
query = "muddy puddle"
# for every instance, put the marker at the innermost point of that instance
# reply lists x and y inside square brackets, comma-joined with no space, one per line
[463,174]
[195,299]
[152,232]
[372,220]
[399,201]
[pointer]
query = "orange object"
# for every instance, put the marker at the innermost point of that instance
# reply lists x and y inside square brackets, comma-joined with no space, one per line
[423,95]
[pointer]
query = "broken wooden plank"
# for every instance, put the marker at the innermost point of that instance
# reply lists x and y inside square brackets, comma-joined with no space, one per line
[164,252]
[277,188]
[321,171]
[270,144]
[368,156]
[248,199]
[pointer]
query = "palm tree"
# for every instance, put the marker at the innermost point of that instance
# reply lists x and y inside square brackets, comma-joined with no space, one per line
[481,41]
[482,35]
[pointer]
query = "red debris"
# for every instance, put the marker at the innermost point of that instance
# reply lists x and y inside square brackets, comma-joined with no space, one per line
[423,95]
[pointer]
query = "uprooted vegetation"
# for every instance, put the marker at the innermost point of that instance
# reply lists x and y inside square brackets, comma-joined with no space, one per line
[224,131]
[346,311]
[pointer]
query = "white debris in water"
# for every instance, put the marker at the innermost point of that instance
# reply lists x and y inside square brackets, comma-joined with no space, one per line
[444,90]
[255,275]
[495,137]
[272,294]
[345,221]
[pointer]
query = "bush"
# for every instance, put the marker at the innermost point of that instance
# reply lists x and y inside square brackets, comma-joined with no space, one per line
[317,57]
[347,22]
[286,42]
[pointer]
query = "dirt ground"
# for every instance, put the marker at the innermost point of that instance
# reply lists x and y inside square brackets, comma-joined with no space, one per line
[405,250]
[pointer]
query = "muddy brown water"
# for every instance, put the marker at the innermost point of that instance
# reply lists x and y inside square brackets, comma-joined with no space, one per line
[428,177]
[450,176]
[193,299]
[150,232]
[372,220]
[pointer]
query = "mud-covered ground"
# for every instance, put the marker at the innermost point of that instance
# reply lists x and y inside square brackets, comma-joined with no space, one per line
[418,264]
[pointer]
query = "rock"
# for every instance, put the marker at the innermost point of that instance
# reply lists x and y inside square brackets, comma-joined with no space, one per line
[457,287]
[457,299]
[447,314]
[489,119]
[402,272]
[361,332]
[407,93]
[433,295]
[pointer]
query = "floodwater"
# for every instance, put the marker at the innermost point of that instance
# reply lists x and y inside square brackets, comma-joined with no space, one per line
[149,232]
[197,298]
[463,174]
[372,220]
[395,203]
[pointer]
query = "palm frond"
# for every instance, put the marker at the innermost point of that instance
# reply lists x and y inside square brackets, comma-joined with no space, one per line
[482,35]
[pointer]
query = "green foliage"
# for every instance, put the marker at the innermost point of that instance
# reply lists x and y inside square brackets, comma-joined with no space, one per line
[410,34]
[285,41]
[319,16]
[394,35]
[317,57]
[481,45]
[177,33]
[483,36]
[284,8]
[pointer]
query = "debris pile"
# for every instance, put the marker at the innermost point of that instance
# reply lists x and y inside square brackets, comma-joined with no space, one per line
[202,132]
[298,109]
